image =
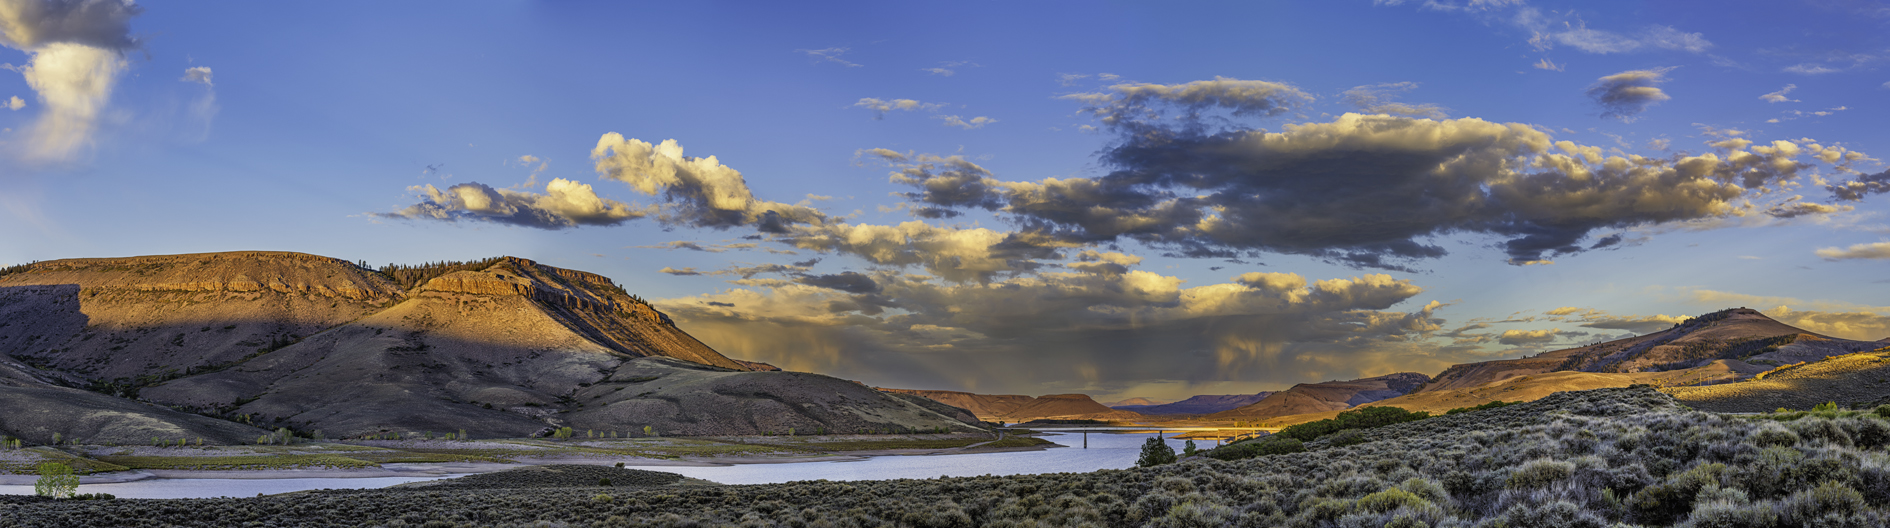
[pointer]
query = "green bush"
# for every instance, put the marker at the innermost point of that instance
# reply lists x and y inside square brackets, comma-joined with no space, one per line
[56,480]
[1269,445]
[1365,418]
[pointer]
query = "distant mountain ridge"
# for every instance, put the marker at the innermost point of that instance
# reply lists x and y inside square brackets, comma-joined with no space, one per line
[1327,396]
[1020,408]
[1202,404]
[1738,334]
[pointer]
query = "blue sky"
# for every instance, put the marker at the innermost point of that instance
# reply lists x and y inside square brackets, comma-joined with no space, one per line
[1235,156]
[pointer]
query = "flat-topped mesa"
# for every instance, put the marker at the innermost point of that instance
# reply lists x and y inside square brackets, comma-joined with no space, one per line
[167,315]
[234,272]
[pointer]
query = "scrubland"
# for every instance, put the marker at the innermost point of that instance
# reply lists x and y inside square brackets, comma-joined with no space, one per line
[1602,458]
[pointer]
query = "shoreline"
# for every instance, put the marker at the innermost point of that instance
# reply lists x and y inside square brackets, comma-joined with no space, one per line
[443,469]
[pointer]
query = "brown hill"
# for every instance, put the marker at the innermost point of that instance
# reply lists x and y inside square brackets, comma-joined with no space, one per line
[502,347]
[1019,408]
[1328,396]
[1852,378]
[1137,401]
[1737,334]
[989,407]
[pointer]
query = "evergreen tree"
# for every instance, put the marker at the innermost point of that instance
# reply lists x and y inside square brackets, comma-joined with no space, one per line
[1155,452]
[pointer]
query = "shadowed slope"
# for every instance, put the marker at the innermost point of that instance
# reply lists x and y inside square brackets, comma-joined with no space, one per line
[681,398]
[35,410]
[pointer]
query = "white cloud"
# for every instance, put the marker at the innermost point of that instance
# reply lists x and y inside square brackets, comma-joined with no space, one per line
[14,103]
[1546,64]
[74,83]
[830,55]
[1779,96]
[198,74]
[976,122]
[700,192]
[880,107]
[1869,251]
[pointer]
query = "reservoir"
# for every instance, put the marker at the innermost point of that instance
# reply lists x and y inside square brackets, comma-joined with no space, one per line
[1106,451]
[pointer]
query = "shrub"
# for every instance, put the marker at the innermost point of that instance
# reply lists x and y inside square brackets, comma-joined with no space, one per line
[56,480]
[1540,473]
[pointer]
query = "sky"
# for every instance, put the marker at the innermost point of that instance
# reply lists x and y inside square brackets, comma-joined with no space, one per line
[1113,198]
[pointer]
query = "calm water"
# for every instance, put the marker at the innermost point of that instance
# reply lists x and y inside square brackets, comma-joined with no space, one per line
[1106,451]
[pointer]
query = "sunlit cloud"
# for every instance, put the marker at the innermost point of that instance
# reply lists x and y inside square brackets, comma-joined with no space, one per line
[77,54]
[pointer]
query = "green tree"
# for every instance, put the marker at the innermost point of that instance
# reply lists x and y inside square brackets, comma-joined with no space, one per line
[649,431]
[1189,449]
[56,480]
[1155,452]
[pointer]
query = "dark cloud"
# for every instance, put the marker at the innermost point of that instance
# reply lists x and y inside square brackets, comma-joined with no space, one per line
[29,24]
[695,246]
[1142,105]
[846,281]
[1030,334]
[1861,187]
[1626,94]
[1363,190]
[565,204]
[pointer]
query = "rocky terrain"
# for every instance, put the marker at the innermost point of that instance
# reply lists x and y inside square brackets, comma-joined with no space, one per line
[499,347]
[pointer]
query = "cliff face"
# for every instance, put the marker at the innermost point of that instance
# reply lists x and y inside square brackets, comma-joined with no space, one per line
[167,316]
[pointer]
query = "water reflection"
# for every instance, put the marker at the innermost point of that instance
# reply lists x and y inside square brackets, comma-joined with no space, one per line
[1106,451]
